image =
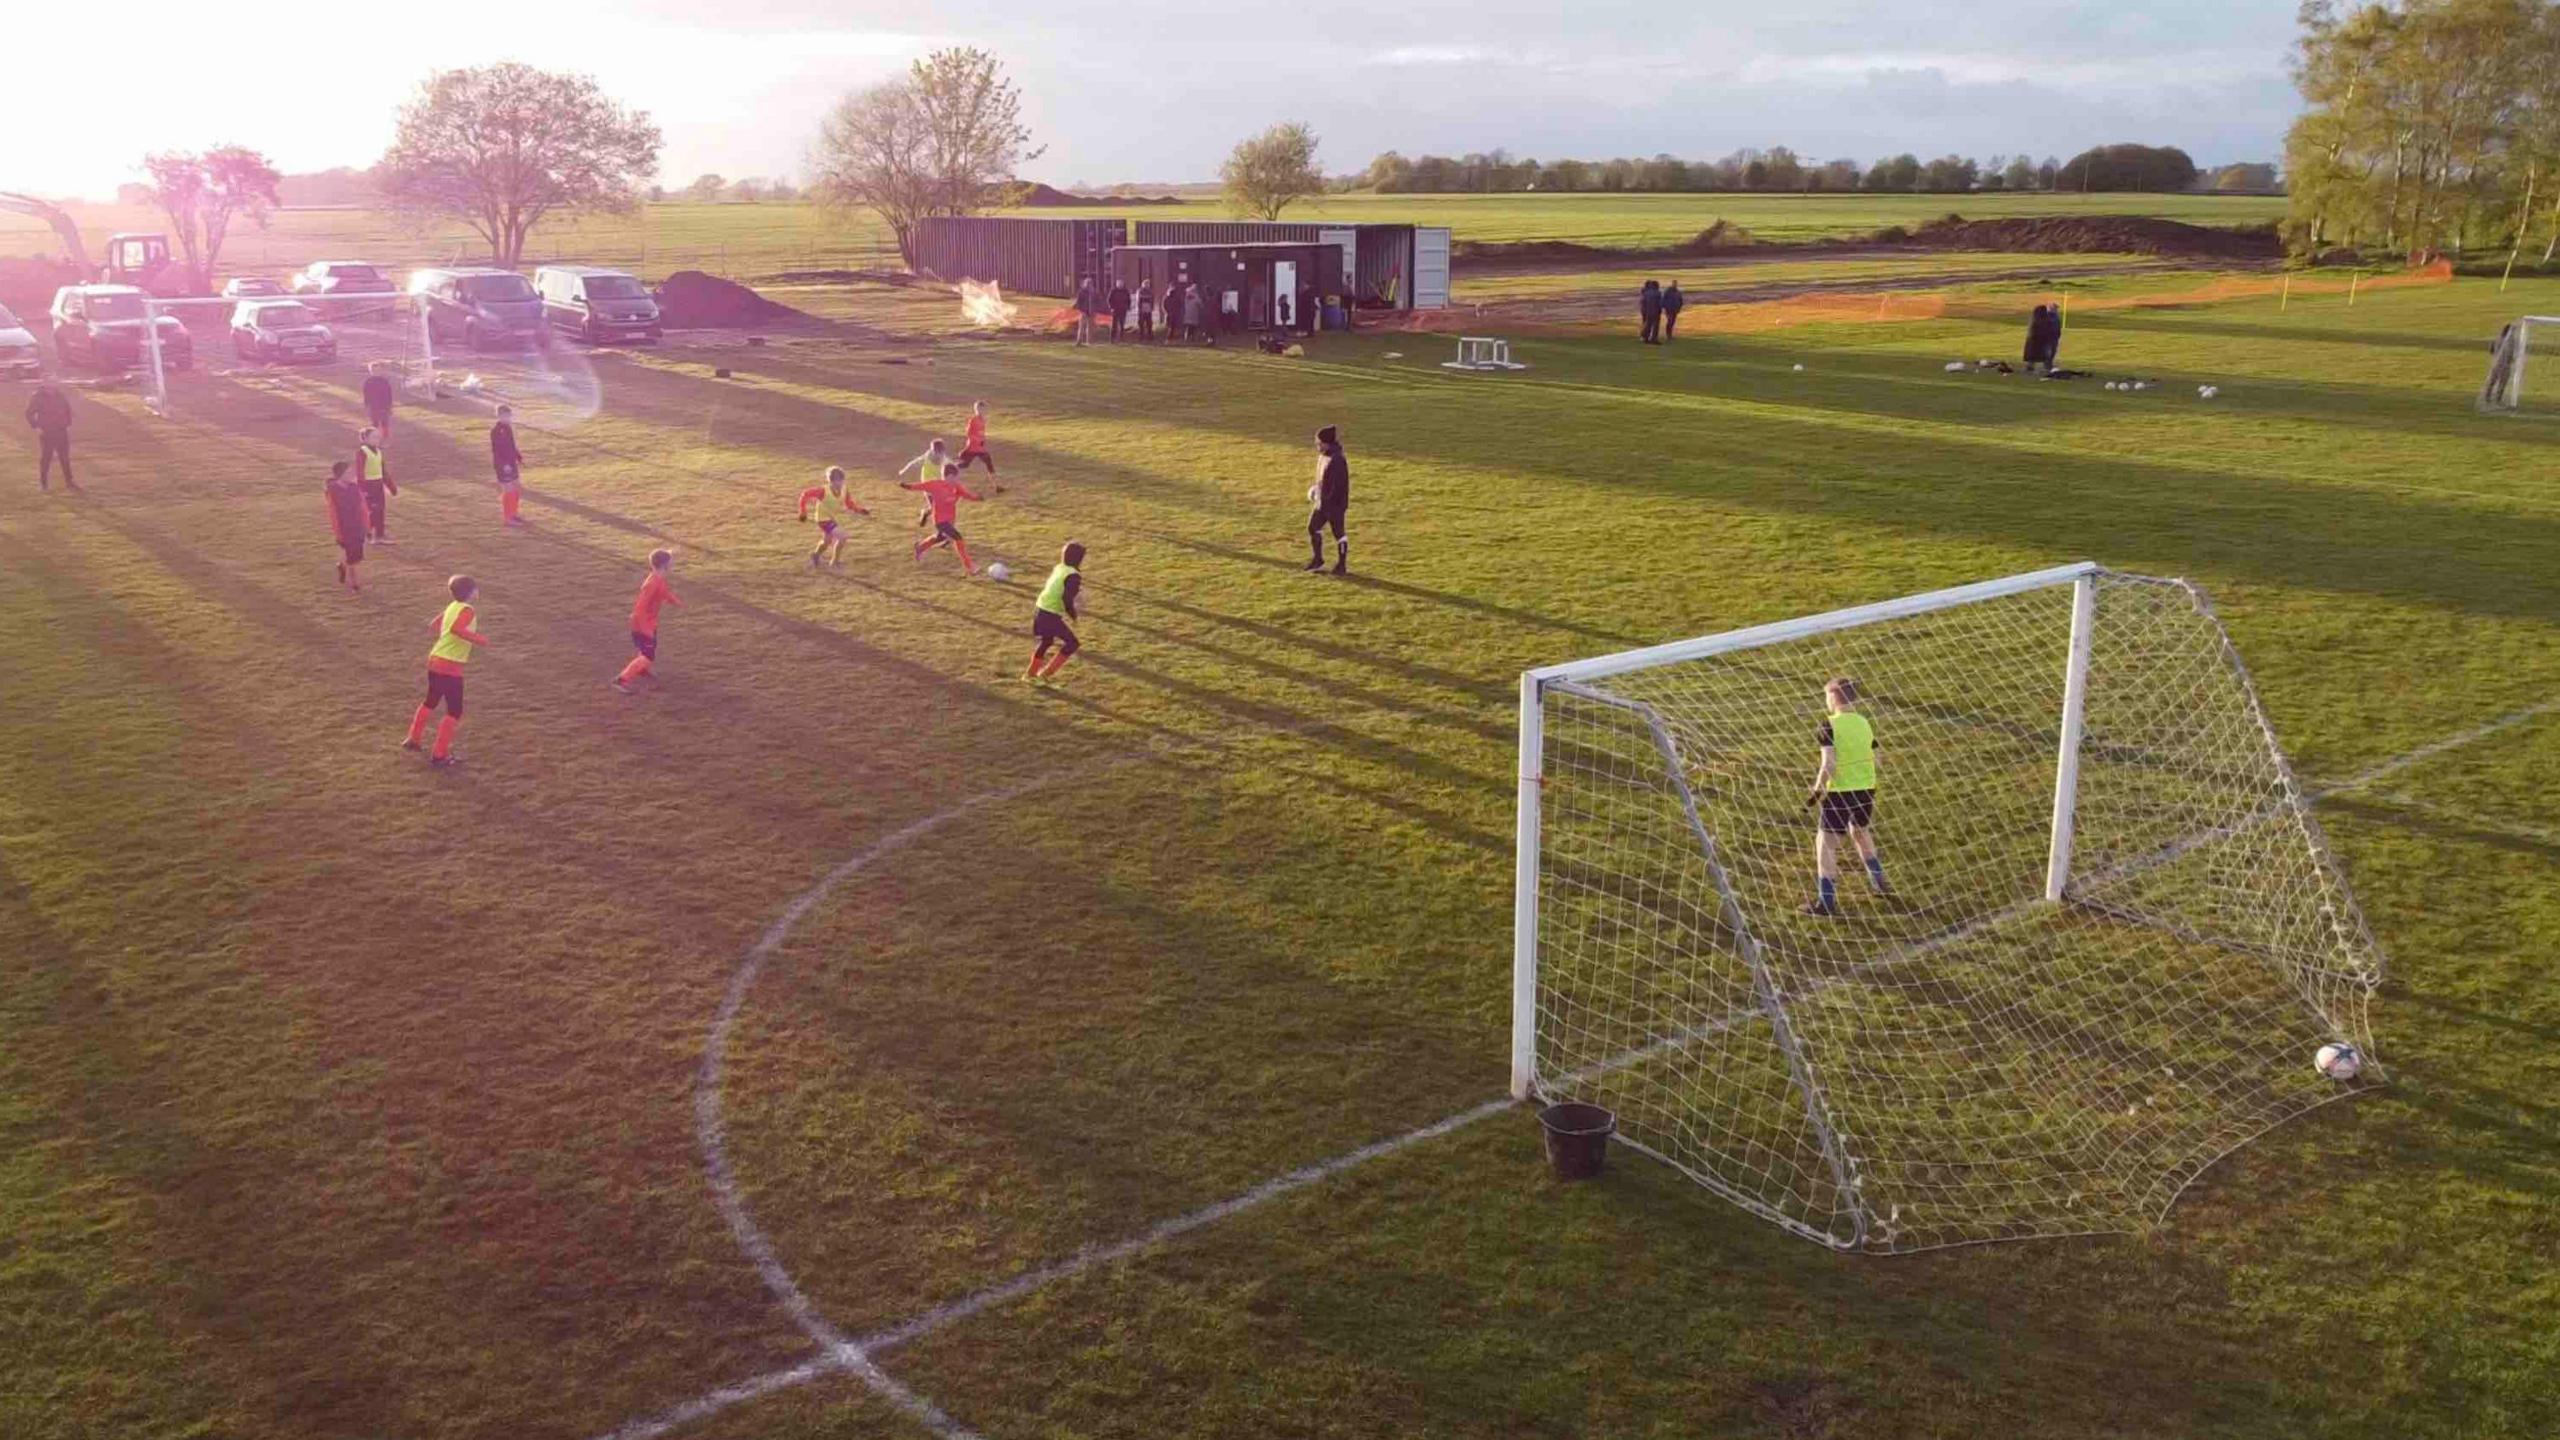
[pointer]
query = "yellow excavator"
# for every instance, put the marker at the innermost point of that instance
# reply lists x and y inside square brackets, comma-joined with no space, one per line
[135,258]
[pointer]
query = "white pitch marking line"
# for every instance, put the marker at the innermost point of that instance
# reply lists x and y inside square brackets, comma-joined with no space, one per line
[843,1356]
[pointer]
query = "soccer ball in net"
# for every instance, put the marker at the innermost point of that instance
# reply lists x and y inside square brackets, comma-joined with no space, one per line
[2339,1061]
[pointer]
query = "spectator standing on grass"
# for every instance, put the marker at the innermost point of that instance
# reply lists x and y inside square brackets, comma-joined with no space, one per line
[49,415]
[1146,311]
[1673,302]
[1649,310]
[1329,503]
[508,462]
[1119,311]
[1194,324]
[377,398]
[2044,339]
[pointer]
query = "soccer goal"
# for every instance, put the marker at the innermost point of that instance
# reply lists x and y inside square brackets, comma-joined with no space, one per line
[2114,942]
[1482,352]
[2502,393]
[232,359]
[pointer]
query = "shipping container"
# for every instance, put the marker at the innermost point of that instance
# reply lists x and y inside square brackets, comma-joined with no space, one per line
[1277,286]
[1382,266]
[1023,256]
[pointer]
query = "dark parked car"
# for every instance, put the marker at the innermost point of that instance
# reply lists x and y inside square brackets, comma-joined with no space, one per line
[101,326]
[280,330]
[481,307]
[598,305]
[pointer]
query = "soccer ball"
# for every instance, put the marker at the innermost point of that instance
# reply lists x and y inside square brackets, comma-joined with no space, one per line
[1799,365]
[2339,1061]
[999,571]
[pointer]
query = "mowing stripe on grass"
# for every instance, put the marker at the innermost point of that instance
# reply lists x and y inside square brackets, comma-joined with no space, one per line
[841,1355]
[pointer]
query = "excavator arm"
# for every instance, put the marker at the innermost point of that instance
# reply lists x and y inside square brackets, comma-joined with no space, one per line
[55,216]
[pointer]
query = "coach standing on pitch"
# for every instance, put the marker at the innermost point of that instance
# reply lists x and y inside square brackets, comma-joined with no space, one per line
[49,415]
[1331,497]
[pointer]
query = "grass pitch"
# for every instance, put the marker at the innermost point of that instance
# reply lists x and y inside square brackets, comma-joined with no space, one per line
[343,1098]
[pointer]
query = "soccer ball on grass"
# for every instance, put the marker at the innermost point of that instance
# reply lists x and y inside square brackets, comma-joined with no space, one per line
[999,571]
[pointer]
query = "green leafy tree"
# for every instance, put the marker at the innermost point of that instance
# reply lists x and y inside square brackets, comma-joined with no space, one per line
[1266,173]
[504,147]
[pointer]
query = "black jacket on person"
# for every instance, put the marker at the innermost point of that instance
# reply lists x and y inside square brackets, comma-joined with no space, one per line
[48,413]
[1672,300]
[1119,299]
[1333,492]
[377,392]
[2044,335]
[1649,300]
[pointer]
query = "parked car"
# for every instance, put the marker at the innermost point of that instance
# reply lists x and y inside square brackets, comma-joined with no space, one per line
[251,287]
[342,277]
[280,330]
[101,326]
[481,306]
[20,357]
[598,305]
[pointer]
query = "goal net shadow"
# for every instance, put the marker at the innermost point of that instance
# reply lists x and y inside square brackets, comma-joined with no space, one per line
[2113,938]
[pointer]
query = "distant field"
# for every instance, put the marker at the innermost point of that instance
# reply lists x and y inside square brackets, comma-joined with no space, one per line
[754,240]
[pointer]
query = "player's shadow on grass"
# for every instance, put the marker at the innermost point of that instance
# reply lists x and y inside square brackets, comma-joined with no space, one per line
[1473,687]
[2386,813]
[2315,331]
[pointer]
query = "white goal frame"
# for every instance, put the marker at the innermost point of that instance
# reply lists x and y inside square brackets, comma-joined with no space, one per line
[1483,352]
[2502,391]
[2289,803]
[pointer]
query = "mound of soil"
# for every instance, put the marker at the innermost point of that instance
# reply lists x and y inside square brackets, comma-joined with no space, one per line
[1717,237]
[27,283]
[1040,196]
[691,300]
[2094,234]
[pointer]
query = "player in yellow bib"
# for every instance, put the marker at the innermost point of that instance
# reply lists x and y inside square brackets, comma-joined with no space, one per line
[1844,789]
[1052,612]
[836,508]
[446,659]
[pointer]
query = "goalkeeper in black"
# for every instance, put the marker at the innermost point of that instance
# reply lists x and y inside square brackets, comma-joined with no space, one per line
[1844,791]
[1329,503]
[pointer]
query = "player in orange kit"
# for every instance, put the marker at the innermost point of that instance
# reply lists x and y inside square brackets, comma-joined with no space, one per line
[975,446]
[654,592]
[943,495]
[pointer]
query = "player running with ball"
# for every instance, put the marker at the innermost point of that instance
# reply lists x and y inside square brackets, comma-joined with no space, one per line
[1844,787]
[943,495]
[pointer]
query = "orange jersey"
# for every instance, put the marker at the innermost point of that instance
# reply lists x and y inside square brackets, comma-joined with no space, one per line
[945,497]
[977,432]
[654,593]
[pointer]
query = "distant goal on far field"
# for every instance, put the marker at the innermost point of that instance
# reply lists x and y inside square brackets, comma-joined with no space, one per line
[1482,352]
[2503,392]
[2116,939]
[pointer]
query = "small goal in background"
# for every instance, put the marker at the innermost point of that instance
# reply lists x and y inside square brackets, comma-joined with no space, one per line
[2502,393]
[1482,352]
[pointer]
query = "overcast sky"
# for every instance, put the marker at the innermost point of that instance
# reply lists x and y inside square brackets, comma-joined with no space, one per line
[1156,90]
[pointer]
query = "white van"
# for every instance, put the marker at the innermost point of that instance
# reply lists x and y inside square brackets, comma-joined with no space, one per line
[598,305]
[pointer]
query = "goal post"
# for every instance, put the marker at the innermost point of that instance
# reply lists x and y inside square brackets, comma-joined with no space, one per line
[2111,940]
[381,331]
[2503,392]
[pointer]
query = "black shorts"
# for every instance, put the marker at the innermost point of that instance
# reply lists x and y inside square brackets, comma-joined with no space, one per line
[1843,810]
[447,689]
[509,474]
[646,644]
[1050,625]
[945,530]
[1318,521]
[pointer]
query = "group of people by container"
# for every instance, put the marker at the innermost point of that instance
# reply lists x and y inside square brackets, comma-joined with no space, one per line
[1186,313]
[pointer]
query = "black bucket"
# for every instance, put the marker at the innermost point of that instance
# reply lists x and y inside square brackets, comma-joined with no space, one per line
[1577,1138]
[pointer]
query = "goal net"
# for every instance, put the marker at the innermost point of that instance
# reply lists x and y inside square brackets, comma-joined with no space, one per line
[2502,393]
[234,361]
[2114,939]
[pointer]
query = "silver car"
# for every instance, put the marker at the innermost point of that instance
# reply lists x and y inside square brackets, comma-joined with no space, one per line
[280,330]
[20,356]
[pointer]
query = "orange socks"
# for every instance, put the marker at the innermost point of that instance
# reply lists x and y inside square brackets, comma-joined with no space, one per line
[1057,663]
[418,725]
[508,499]
[444,735]
[638,667]
[963,547]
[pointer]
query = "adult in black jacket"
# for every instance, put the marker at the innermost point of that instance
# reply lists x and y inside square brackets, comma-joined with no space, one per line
[1119,311]
[2044,338]
[1673,302]
[1330,499]
[49,415]
[1649,309]
[377,400]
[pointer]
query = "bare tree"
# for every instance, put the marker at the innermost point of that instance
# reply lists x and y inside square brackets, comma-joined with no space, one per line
[504,147]
[1268,172]
[943,139]
[706,187]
